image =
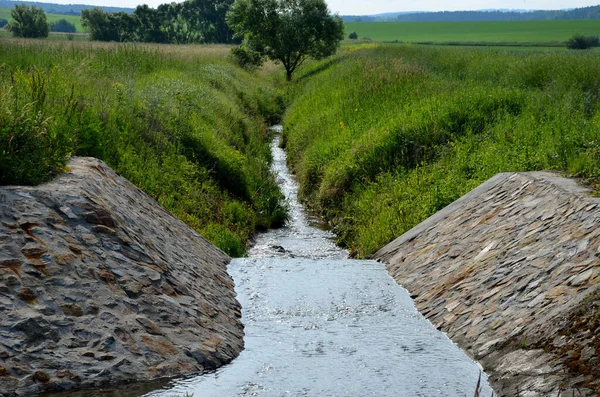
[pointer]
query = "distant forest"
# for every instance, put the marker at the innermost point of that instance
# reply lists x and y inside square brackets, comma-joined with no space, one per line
[66,9]
[450,16]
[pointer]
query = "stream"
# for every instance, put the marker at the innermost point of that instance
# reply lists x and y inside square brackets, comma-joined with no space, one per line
[320,324]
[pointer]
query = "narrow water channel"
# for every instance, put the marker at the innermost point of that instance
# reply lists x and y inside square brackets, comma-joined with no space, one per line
[319,324]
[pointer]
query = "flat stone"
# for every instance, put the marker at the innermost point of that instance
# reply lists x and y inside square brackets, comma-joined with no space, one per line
[582,278]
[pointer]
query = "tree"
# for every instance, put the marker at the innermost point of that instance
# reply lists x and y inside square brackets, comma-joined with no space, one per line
[353,36]
[3,22]
[62,25]
[288,31]
[109,26]
[28,22]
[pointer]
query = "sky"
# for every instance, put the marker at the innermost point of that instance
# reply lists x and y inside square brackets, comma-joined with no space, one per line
[370,7]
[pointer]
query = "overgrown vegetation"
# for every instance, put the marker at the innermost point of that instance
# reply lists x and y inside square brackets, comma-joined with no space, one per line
[383,136]
[184,124]
[581,42]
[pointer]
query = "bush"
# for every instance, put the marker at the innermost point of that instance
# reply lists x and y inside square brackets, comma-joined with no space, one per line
[32,149]
[3,22]
[62,25]
[581,42]
[28,22]
[246,58]
[353,36]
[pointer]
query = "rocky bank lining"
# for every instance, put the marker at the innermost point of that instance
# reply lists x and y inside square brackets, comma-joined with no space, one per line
[511,273]
[99,285]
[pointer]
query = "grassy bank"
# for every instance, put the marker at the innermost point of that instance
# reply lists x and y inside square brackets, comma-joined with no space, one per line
[183,123]
[532,32]
[383,136]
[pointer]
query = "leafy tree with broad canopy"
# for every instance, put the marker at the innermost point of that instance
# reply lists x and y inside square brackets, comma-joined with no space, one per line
[288,31]
[28,22]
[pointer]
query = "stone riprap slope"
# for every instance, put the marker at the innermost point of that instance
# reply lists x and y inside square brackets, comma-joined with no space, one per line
[511,273]
[99,284]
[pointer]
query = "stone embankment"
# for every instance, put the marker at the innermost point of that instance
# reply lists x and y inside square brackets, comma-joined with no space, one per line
[99,285]
[511,272]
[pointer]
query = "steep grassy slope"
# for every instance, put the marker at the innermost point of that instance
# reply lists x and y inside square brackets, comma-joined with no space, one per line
[183,123]
[382,137]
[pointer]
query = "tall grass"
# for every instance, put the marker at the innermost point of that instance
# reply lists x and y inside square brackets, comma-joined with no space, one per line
[182,123]
[384,136]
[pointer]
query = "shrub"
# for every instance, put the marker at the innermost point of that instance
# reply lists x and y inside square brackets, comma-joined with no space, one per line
[246,58]
[31,148]
[3,22]
[62,25]
[581,42]
[353,36]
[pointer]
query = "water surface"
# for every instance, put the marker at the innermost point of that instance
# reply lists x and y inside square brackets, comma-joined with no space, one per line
[319,324]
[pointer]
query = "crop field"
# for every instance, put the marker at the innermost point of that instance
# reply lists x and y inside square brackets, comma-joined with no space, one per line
[74,19]
[533,32]
[385,135]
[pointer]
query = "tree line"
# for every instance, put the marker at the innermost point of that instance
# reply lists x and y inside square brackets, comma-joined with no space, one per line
[193,21]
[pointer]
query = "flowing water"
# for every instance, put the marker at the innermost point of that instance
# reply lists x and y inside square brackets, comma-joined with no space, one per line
[319,324]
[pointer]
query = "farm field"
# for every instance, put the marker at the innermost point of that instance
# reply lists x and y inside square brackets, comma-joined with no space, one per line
[535,32]
[74,19]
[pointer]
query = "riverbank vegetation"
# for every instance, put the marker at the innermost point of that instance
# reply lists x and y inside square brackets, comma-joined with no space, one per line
[184,124]
[383,136]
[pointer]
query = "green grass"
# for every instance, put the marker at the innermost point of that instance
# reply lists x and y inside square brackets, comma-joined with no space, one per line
[183,123]
[74,19]
[538,32]
[52,36]
[383,136]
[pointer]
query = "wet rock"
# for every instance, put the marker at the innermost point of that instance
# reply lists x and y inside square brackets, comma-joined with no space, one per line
[97,285]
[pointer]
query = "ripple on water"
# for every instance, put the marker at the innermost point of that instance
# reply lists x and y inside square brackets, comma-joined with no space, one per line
[319,324]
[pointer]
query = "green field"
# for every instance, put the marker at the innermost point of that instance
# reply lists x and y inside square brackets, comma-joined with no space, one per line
[76,20]
[474,32]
